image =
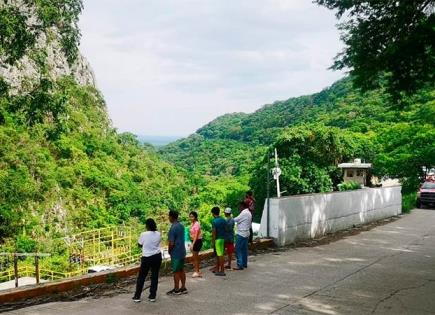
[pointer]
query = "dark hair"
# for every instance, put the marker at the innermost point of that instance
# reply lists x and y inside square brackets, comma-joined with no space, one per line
[215,210]
[249,193]
[195,214]
[243,205]
[173,214]
[151,225]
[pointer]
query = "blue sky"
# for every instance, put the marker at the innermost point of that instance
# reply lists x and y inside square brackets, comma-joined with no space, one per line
[167,67]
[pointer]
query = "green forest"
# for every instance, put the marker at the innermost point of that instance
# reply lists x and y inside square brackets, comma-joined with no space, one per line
[313,134]
[64,168]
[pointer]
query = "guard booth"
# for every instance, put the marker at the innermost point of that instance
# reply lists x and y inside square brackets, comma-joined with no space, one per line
[356,172]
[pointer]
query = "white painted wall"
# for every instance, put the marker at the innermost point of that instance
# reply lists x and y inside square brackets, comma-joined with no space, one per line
[308,216]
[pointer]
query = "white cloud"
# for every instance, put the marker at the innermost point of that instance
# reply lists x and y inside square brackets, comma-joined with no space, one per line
[168,67]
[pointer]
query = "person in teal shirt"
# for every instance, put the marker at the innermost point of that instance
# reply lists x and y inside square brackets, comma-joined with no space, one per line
[219,225]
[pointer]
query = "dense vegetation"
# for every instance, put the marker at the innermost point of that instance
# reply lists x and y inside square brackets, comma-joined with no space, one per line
[387,42]
[214,157]
[313,134]
[63,168]
[309,155]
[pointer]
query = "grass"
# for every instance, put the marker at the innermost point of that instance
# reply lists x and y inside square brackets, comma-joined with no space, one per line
[408,202]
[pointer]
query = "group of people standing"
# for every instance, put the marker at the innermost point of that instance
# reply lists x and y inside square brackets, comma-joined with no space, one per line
[222,242]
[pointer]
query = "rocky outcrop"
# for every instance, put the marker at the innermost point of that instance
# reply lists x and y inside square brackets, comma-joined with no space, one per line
[45,58]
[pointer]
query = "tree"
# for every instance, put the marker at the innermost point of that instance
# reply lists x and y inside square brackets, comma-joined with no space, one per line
[309,155]
[389,41]
[407,150]
[407,147]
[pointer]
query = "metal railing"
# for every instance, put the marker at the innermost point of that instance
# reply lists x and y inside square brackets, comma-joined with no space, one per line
[114,246]
[26,271]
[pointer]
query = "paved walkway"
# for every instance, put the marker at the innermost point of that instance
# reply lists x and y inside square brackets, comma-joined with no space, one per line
[388,270]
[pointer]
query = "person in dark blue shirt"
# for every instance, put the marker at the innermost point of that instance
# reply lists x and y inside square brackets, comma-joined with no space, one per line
[177,250]
[229,236]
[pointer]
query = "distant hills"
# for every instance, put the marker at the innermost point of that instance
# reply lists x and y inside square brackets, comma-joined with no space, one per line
[232,143]
[157,141]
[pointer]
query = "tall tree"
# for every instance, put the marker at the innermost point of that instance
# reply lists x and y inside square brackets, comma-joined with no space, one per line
[390,41]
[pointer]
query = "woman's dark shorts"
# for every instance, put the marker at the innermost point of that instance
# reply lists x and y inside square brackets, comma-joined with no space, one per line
[197,245]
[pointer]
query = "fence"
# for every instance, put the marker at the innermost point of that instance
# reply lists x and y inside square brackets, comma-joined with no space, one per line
[26,271]
[114,246]
[111,245]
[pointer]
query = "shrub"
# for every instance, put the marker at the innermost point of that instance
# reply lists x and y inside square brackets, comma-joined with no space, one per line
[349,186]
[25,244]
[408,202]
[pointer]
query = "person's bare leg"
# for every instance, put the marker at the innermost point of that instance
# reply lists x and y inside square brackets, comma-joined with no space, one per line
[177,280]
[183,279]
[221,264]
[196,262]
[229,260]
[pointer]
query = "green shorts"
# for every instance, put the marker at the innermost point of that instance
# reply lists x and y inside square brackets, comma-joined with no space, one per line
[220,247]
[177,264]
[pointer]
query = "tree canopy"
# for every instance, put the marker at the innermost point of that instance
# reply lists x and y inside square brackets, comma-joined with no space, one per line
[314,133]
[308,157]
[387,41]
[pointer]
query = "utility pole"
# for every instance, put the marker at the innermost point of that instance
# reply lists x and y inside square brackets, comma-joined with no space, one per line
[268,192]
[276,173]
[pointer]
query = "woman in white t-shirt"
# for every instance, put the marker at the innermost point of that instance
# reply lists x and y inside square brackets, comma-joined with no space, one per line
[151,259]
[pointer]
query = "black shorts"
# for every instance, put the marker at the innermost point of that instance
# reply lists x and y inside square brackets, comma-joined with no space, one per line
[197,245]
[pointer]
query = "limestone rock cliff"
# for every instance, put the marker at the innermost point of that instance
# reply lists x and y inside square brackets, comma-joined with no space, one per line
[40,39]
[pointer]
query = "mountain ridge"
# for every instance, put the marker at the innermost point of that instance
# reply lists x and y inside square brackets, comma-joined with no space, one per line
[250,132]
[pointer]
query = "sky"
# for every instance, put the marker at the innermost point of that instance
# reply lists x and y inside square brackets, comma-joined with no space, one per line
[167,67]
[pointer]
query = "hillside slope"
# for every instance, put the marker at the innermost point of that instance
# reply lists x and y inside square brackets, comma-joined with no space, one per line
[339,123]
[63,167]
[240,139]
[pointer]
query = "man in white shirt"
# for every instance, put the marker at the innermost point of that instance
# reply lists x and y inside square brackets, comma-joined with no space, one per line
[244,223]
